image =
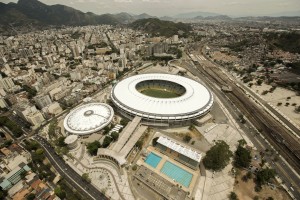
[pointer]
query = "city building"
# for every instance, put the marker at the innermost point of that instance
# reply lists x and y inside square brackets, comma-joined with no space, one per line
[42,101]
[8,85]
[29,113]
[53,108]
[13,177]
[179,152]
[49,61]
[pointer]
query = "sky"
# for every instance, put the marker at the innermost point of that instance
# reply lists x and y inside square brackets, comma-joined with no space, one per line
[173,7]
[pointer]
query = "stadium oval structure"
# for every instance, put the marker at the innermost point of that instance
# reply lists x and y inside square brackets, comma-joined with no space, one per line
[88,118]
[192,101]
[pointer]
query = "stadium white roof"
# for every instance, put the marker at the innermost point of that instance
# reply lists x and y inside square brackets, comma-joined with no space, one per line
[88,118]
[196,100]
[184,150]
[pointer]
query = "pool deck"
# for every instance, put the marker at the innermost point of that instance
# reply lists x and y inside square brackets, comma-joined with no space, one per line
[165,158]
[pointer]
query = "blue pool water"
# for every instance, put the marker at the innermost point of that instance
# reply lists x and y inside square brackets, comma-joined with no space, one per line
[153,160]
[177,173]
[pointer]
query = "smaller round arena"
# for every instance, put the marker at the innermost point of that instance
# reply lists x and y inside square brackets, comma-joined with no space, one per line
[88,118]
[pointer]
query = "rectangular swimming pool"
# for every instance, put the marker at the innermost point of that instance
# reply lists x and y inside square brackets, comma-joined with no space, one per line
[177,173]
[153,160]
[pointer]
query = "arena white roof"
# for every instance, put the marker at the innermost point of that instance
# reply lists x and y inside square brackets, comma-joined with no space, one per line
[196,100]
[184,150]
[88,118]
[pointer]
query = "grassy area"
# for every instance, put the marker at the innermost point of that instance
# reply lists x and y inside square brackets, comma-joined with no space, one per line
[70,193]
[158,93]
[11,125]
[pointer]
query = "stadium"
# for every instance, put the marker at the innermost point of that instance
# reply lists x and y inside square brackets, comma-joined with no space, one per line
[88,118]
[161,98]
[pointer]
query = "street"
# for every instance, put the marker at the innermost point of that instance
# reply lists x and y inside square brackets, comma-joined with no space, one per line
[68,173]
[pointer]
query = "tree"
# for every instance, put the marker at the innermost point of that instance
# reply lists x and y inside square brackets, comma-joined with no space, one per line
[85,177]
[124,122]
[187,138]
[30,196]
[134,167]
[106,142]
[242,142]
[114,135]
[23,174]
[191,127]
[7,143]
[32,145]
[218,156]
[52,126]
[12,126]
[61,141]
[263,176]
[106,130]
[93,147]
[233,196]
[242,157]
[59,192]
[259,82]
[38,155]
[139,144]
[247,176]
[264,92]
[256,198]
[3,194]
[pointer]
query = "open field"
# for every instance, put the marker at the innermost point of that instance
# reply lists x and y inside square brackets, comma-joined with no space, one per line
[246,191]
[285,100]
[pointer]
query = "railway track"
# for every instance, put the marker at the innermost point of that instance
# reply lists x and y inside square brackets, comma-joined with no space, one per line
[281,139]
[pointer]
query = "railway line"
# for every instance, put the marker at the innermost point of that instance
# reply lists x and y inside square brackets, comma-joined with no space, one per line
[279,137]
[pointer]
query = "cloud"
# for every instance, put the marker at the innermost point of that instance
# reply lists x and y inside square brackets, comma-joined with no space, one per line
[233,3]
[123,1]
[151,1]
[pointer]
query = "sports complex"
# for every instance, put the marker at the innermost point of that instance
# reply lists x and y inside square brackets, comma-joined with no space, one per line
[161,98]
[166,166]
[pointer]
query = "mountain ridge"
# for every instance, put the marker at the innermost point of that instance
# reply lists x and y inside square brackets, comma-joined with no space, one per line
[157,27]
[35,12]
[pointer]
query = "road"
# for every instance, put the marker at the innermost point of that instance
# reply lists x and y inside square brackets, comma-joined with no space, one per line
[288,175]
[72,177]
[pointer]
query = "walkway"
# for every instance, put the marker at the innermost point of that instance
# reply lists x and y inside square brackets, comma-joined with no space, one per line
[126,133]
[88,169]
[133,139]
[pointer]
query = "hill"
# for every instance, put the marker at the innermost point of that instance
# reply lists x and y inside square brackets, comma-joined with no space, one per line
[191,15]
[126,18]
[157,27]
[286,41]
[33,11]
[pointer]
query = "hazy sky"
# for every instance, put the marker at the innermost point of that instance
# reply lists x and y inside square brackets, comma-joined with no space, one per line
[173,7]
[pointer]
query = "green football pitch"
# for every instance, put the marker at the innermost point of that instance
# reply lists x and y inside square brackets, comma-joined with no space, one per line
[157,93]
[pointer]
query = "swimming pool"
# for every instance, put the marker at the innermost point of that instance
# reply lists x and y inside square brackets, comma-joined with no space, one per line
[153,160]
[177,173]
